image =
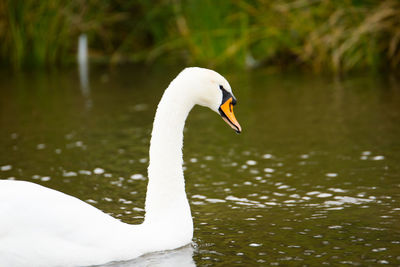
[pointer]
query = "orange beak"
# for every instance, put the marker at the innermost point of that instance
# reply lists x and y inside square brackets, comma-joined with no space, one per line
[226,111]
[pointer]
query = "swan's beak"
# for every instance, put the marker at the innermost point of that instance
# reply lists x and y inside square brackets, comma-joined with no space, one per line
[226,111]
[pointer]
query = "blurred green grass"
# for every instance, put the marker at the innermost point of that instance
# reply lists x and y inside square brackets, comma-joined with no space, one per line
[315,35]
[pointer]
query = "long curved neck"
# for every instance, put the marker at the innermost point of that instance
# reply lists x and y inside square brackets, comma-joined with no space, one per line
[166,197]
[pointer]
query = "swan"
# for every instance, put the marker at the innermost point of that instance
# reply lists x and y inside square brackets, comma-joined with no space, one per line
[44,227]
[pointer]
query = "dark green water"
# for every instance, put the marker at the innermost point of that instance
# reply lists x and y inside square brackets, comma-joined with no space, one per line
[313,179]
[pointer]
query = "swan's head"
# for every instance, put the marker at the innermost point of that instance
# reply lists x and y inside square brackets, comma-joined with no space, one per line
[210,89]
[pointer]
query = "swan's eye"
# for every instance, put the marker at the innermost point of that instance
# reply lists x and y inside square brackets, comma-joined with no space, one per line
[221,87]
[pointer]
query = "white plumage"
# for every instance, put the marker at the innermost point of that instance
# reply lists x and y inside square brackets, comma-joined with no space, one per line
[43,227]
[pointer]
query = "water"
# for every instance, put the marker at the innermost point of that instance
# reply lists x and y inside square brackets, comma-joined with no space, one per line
[313,179]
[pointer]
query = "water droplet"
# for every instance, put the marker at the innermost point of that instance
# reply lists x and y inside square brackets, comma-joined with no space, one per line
[40,146]
[197,203]
[324,195]
[199,196]
[98,171]
[331,174]
[253,171]
[378,249]
[255,245]
[140,107]
[45,178]
[125,201]
[6,168]
[85,172]
[269,170]
[137,176]
[378,158]
[69,136]
[251,162]
[313,193]
[69,174]
[143,160]
[337,190]
[215,200]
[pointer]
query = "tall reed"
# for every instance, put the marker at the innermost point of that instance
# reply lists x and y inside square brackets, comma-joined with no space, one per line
[35,32]
[319,35]
[44,33]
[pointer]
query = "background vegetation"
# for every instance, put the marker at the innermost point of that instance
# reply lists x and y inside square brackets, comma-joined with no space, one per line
[319,35]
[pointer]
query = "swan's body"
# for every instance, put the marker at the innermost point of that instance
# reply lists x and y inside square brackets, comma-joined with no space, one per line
[43,227]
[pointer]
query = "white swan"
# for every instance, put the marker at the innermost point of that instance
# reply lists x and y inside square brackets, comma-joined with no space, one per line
[43,227]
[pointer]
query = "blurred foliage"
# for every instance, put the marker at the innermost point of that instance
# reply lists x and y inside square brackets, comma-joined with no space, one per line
[320,35]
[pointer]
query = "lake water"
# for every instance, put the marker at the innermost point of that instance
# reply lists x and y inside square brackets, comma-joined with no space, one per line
[314,179]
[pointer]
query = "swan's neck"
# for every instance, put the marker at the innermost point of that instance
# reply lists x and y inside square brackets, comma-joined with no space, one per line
[166,200]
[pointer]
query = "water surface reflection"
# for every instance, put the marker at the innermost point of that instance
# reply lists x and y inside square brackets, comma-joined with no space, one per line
[313,179]
[181,257]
